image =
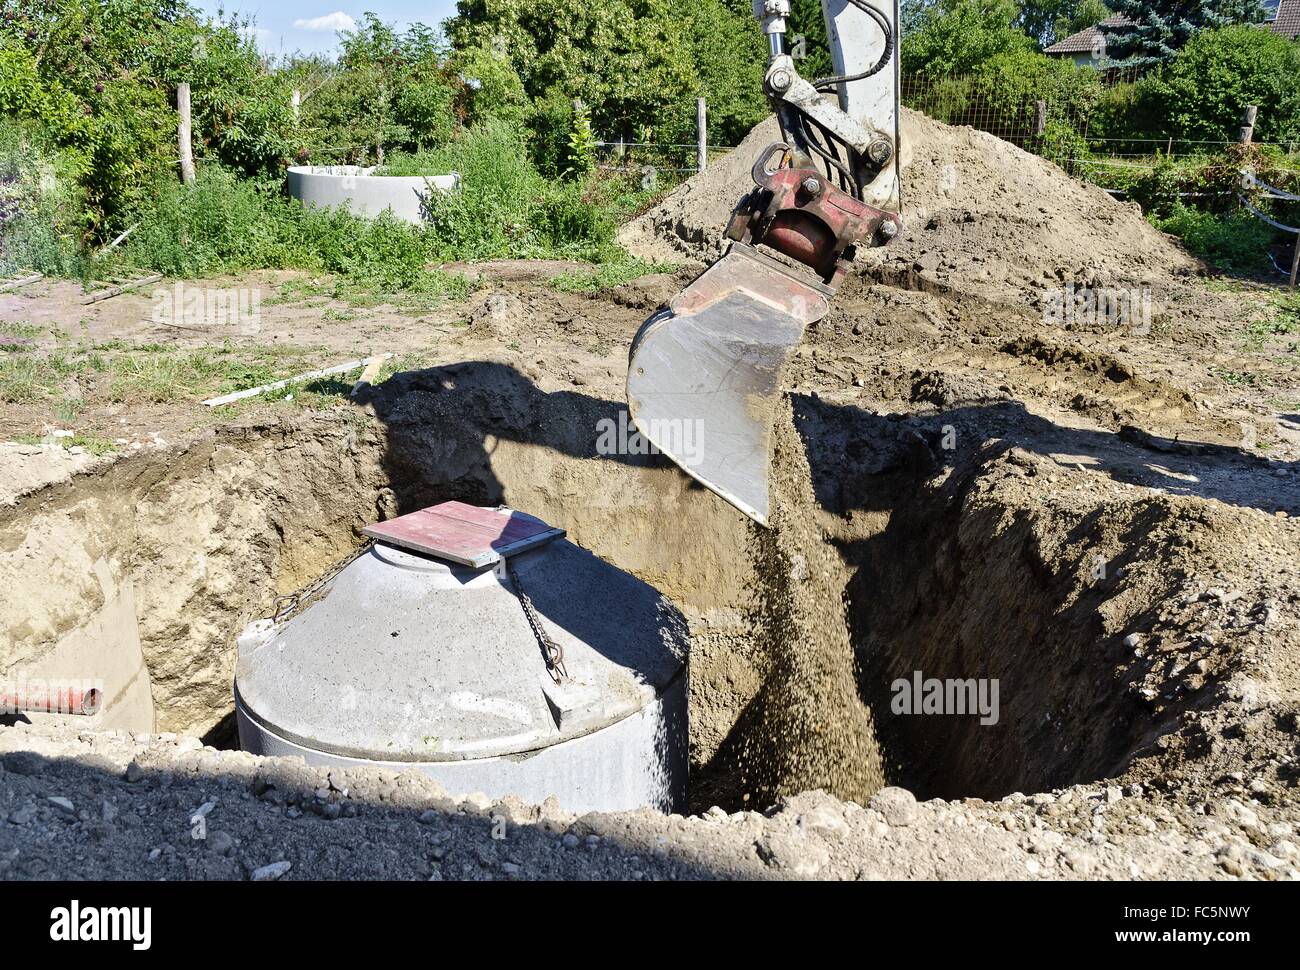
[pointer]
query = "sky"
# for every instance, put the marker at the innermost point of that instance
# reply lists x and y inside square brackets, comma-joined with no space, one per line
[311,26]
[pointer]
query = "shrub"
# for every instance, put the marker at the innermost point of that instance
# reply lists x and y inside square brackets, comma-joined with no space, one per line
[1061,144]
[549,125]
[490,216]
[40,203]
[220,224]
[1204,90]
[1236,243]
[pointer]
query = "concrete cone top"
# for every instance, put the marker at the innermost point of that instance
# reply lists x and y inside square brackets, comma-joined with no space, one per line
[406,658]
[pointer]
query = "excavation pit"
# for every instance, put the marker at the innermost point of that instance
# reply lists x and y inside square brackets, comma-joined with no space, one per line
[959,573]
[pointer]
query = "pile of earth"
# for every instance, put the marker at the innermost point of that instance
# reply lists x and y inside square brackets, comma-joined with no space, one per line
[981,216]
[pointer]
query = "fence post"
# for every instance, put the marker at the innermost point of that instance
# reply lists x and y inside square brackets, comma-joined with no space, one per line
[183,132]
[1248,124]
[1295,260]
[1040,122]
[296,103]
[702,135]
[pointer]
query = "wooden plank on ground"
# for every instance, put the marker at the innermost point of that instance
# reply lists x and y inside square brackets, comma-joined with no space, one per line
[308,376]
[17,281]
[111,291]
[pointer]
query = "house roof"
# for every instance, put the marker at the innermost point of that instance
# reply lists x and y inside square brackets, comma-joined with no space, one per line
[1085,40]
[1287,21]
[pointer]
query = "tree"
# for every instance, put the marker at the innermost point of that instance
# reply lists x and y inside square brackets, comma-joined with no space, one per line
[810,47]
[1159,29]
[1047,21]
[956,36]
[638,64]
[388,90]
[1204,90]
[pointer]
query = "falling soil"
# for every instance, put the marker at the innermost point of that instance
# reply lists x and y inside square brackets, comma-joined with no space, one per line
[810,728]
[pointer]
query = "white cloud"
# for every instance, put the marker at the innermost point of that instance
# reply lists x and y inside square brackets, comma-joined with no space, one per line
[337,20]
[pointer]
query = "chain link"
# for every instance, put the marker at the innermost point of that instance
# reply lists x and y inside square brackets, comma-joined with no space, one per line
[291,603]
[551,650]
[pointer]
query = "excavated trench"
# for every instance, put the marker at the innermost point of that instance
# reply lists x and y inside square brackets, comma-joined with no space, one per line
[147,572]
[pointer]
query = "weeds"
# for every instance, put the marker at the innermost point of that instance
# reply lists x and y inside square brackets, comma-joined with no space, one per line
[148,374]
[17,337]
[1238,378]
[91,443]
[1284,320]
[1237,242]
[23,380]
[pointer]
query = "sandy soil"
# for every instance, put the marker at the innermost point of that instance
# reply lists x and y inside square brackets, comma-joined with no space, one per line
[1101,518]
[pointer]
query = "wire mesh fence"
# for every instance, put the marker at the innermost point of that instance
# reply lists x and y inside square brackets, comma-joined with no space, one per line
[1058,124]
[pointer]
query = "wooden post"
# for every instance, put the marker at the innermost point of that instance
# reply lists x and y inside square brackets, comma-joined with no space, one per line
[296,102]
[183,132]
[1169,149]
[1040,123]
[1248,124]
[702,135]
[1295,260]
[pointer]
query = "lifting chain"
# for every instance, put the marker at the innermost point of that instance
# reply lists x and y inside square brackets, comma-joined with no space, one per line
[550,649]
[289,604]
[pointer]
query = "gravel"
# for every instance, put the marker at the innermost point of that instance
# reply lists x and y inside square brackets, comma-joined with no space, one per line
[277,819]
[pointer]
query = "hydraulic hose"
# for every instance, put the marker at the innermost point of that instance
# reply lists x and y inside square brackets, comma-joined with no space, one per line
[825,83]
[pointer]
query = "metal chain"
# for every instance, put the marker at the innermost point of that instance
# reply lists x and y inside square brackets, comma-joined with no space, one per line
[289,604]
[551,650]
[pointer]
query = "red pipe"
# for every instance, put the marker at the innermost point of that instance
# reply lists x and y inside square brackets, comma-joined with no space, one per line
[56,700]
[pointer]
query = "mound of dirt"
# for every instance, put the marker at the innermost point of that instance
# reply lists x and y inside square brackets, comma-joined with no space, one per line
[981,216]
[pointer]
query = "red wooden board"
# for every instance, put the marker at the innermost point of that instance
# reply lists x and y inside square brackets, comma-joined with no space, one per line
[464,533]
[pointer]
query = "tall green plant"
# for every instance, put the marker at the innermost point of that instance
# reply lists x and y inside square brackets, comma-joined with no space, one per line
[582,143]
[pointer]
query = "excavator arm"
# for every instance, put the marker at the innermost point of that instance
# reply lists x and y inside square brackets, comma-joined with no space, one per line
[707,370]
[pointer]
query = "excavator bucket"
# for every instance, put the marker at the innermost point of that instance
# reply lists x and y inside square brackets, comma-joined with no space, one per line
[704,376]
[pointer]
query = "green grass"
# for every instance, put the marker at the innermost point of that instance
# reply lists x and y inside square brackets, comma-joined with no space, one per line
[1288,311]
[146,374]
[400,363]
[1282,320]
[17,337]
[1227,284]
[607,275]
[23,380]
[91,442]
[296,291]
